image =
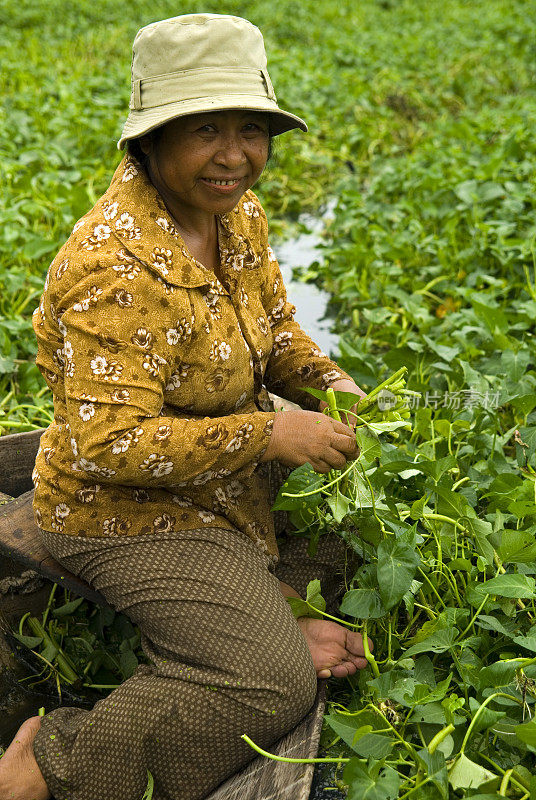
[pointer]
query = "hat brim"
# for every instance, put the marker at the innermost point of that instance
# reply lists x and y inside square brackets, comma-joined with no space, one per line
[141,122]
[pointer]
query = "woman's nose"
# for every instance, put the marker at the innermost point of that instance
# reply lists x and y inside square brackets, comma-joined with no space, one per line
[231,153]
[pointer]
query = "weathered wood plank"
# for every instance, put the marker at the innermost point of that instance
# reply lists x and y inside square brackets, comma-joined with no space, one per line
[264,779]
[17,459]
[19,540]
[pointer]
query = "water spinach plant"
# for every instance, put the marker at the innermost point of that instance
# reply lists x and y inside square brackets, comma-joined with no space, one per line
[445,708]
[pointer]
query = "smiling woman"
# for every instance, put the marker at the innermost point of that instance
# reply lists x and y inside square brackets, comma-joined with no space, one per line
[163,322]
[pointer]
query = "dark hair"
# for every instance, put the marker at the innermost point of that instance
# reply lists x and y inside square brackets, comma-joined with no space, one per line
[134,148]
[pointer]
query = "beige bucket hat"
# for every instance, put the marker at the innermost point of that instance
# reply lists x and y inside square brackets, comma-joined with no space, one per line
[197,63]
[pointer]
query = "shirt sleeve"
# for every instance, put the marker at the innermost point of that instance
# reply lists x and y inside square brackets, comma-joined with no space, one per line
[116,368]
[296,361]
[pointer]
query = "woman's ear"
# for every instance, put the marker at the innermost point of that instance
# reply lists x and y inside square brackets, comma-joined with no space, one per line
[146,144]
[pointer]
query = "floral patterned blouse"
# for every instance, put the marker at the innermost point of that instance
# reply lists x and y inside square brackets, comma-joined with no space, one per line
[159,372]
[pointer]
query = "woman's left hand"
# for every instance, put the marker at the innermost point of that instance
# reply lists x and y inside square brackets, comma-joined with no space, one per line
[336,651]
[345,385]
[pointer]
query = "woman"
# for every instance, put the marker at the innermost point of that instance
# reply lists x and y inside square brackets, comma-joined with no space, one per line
[163,319]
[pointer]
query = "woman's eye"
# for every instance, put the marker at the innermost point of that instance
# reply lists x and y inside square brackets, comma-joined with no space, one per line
[252,127]
[207,128]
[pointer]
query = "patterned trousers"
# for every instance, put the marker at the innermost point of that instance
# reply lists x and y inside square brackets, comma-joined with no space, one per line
[227,658]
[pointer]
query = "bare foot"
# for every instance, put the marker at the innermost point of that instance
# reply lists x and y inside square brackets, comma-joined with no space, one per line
[336,651]
[20,777]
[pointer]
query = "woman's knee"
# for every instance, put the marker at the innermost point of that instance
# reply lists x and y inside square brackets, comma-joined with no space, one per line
[290,681]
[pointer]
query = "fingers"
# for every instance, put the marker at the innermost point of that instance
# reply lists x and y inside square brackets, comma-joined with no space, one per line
[345,444]
[354,643]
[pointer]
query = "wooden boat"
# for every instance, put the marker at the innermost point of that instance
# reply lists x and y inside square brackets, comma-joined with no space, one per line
[263,778]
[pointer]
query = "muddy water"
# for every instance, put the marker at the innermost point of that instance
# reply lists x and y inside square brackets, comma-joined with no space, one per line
[310,302]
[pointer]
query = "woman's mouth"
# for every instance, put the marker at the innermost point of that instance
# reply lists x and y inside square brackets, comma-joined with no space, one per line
[222,186]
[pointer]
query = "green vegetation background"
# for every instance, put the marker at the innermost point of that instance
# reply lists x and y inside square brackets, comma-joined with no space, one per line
[420,95]
[421,117]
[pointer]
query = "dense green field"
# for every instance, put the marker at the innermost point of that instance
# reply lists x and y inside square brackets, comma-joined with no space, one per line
[421,119]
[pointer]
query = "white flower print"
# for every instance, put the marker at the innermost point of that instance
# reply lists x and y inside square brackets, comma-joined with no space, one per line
[220,350]
[62,510]
[319,353]
[109,210]
[242,435]
[62,268]
[79,224]
[128,271]
[74,446]
[163,523]
[162,259]
[177,377]
[277,312]
[92,468]
[125,225]
[143,338]
[181,332]
[241,400]
[97,238]
[123,298]
[203,478]
[129,173]
[36,477]
[213,305]
[282,342]
[157,465]
[331,376]
[250,208]
[92,297]
[130,438]
[120,396]
[182,501]
[152,363]
[263,325]
[166,226]
[243,297]
[63,329]
[115,526]
[206,516]
[276,284]
[87,494]
[272,258]
[86,411]
[109,370]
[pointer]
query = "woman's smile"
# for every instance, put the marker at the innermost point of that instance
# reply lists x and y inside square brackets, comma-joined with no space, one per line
[202,164]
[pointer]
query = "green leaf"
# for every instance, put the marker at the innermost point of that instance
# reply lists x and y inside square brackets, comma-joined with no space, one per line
[527,733]
[397,563]
[374,782]
[314,595]
[417,508]
[465,774]
[487,718]
[528,642]
[501,673]
[29,641]
[435,768]
[361,738]
[363,604]
[369,446]
[438,642]
[516,586]
[339,505]
[302,480]
[128,663]
[515,364]
[67,608]
[517,547]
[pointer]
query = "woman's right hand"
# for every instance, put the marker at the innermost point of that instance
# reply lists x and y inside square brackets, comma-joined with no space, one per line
[299,437]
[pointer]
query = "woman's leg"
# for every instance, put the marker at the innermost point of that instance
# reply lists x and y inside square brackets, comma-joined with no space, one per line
[227,658]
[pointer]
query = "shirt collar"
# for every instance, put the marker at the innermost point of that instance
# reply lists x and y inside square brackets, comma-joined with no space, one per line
[138,217]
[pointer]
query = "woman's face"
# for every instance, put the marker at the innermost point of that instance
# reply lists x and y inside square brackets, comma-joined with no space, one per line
[194,154]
